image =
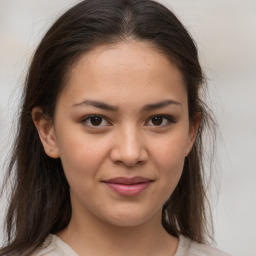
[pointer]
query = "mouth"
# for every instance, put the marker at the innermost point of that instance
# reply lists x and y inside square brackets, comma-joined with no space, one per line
[128,186]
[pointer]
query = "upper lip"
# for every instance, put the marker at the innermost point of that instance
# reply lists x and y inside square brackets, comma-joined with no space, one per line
[128,181]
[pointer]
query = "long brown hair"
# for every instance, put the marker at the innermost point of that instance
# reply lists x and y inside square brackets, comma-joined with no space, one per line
[40,201]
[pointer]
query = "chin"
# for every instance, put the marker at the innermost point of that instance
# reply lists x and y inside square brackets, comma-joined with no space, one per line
[128,218]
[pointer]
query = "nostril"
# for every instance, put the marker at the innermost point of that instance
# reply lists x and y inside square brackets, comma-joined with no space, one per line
[128,163]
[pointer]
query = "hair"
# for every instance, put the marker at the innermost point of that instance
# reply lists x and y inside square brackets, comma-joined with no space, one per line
[40,199]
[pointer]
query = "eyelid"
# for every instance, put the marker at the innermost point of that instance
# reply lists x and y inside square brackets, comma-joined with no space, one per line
[86,118]
[170,120]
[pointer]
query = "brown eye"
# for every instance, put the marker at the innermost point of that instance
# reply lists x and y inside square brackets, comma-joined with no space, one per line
[157,120]
[95,121]
[161,121]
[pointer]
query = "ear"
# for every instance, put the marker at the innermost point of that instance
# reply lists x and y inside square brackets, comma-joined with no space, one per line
[46,132]
[193,130]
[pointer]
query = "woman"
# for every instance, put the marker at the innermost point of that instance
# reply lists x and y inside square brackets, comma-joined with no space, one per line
[108,155]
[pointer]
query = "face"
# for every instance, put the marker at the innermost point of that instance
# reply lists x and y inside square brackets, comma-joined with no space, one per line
[122,131]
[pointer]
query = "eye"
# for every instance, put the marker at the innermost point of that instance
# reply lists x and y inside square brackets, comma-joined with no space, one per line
[95,121]
[160,120]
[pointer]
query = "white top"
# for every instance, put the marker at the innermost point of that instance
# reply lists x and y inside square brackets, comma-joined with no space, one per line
[54,246]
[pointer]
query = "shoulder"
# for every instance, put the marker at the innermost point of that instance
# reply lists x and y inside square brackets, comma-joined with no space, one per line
[188,247]
[54,246]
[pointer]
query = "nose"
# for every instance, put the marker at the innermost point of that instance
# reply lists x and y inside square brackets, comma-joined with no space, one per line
[129,147]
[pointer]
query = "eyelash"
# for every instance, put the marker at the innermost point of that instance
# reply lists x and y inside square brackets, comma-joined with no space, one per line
[169,119]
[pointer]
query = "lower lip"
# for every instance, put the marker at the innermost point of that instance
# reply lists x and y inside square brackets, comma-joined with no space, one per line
[128,189]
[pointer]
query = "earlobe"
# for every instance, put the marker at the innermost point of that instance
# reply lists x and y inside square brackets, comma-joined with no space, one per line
[46,132]
[193,130]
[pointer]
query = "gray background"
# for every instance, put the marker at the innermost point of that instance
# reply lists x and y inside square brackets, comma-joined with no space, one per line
[226,37]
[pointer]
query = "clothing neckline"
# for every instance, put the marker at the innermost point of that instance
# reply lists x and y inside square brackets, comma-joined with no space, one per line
[59,241]
[183,245]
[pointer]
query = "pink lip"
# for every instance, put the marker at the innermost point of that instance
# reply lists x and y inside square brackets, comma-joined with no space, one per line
[128,186]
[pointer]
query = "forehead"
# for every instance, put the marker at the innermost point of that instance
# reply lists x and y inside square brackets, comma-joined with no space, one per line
[128,70]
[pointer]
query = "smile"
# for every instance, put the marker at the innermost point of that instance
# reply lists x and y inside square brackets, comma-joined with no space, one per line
[128,186]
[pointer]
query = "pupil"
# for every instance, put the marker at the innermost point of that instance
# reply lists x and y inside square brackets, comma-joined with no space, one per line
[96,120]
[157,120]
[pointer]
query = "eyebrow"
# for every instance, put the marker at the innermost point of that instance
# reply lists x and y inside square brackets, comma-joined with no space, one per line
[161,104]
[105,106]
[97,104]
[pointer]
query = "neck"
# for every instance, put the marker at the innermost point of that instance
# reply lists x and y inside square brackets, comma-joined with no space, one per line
[89,235]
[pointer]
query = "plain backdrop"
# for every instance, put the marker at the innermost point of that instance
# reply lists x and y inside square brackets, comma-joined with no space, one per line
[225,33]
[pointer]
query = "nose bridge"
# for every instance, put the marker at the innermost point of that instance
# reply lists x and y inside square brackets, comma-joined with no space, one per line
[129,146]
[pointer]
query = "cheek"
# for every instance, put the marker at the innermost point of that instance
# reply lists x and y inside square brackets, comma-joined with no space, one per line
[171,149]
[169,159]
[81,155]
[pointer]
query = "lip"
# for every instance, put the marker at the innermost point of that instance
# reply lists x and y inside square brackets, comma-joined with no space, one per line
[128,186]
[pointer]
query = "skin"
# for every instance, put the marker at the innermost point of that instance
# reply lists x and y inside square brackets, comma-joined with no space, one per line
[126,142]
